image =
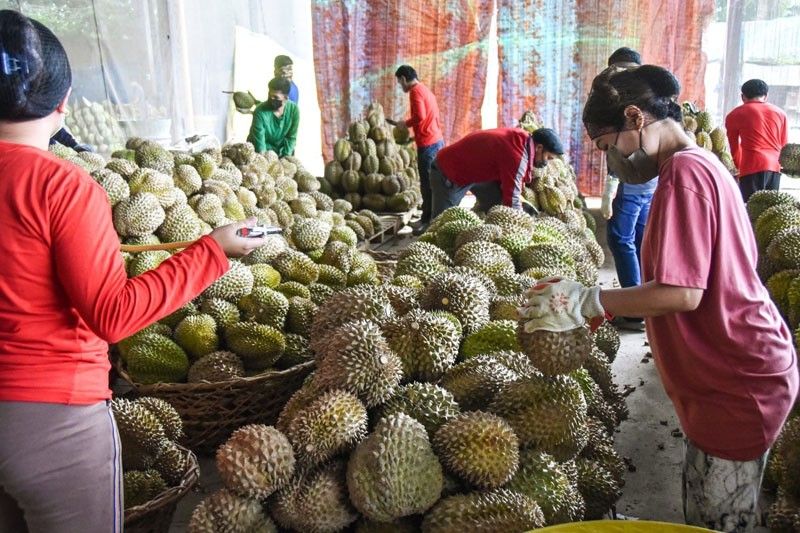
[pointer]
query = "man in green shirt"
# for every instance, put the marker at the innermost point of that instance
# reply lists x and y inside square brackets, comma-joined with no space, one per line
[275,121]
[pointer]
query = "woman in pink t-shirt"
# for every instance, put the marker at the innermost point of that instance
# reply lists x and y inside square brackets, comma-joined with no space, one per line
[723,352]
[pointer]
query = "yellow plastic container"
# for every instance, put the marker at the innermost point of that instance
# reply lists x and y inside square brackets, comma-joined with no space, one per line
[621,526]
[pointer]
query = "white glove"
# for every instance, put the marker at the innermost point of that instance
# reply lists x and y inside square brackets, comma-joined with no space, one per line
[560,305]
[609,192]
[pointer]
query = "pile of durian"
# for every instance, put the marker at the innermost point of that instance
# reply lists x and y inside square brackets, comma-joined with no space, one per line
[149,429]
[95,124]
[375,166]
[430,408]
[257,316]
[790,160]
[776,220]
[699,126]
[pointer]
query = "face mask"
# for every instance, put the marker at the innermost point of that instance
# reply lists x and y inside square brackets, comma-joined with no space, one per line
[635,168]
[540,164]
[274,103]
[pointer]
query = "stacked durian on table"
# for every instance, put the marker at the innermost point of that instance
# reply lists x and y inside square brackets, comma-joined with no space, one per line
[699,126]
[374,166]
[775,216]
[430,408]
[95,124]
[258,315]
[790,160]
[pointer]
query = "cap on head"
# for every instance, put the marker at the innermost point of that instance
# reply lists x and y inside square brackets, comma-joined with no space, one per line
[282,61]
[754,89]
[548,139]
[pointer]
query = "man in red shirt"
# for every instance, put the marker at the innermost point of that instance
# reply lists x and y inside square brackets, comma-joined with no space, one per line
[495,164]
[427,134]
[757,131]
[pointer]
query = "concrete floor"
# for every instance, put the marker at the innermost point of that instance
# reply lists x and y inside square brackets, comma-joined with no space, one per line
[650,438]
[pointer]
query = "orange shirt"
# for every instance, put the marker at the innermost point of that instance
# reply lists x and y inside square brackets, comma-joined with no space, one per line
[64,294]
[756,132]
[424,116]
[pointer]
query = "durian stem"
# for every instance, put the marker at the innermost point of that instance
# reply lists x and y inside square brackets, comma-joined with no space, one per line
[133,248]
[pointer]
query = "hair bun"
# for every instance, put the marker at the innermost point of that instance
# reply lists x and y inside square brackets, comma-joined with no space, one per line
[660,80]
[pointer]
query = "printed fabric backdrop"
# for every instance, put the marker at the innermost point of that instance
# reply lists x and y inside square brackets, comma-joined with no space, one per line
[549,52]
[358,45]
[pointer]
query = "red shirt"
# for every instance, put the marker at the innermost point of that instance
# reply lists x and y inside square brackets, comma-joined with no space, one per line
[756,132]
[729,366]
[502,154]
[424,116]
[64,294]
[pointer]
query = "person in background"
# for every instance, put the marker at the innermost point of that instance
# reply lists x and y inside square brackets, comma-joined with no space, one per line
[275,121]
[64,296]
[427,135]
[724,354]
[495,164]
[757,130]
[626,207]
[64,137]
[284,68]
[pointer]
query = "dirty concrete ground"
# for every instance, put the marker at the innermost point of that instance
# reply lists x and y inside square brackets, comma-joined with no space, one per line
[650,438]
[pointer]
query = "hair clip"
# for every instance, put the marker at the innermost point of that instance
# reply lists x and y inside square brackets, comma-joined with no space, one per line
[12,65]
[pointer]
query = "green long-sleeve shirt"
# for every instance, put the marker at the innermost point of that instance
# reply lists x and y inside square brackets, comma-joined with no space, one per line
[278,134]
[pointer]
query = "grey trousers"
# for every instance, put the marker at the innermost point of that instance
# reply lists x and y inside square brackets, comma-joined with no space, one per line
[60,469]
[720,494]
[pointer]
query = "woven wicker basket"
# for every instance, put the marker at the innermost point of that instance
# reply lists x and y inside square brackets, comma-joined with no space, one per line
[155,516]
[212,411]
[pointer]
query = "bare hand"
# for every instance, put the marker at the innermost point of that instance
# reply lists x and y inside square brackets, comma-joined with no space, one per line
[232,244]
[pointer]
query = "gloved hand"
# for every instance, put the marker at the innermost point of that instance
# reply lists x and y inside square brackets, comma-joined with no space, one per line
[609,192]
[555,304]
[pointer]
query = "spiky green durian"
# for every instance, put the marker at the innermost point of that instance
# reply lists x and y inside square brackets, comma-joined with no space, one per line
[197,335]
[142,486]
[296,266]
[139,215]
[484,512]
[141,262]
[427,344]
[166,414]
[157,359]
[265,306]
[225,511]
[597,486]
[494,336]
[258,345]
[300,315]
[234,284]
[461,294]
[511,220]
[216,366]
[475,383]
[140,431]
[556,352]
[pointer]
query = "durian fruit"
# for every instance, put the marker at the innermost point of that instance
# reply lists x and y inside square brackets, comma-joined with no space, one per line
[255,461]
[166,414]
[140,431]
[138,215]
[156,359]
[597,486]
[773,221]
[234,284]
[607,339]
[404,299]
[258,346]
[225,511]
[784,514]
[505,307]
[511,220]
[310,234]
[143,261]
[197,335]
[404,525]
[300,315]
[556,352]
[479,447]
[265,276]
[790,159]
[291,289]
[296,266]
[462,295]
[297,351]
[494,336]
[171,462]
[141,486]
[216,366]
[315,500]
[393,472]
[354,303]
[485,257]
[223,312]
[428,404]
[357,358]
[331,424]
[265,306]
[513,285]
[426,344]
[784,250]
[484,512]
[475,383]
[542,479]
[546,412]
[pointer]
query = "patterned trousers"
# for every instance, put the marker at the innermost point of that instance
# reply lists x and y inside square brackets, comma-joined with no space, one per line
[720,494]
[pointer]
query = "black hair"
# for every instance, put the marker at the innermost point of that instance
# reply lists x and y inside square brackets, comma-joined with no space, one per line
[625,55]
[280,85]
[755,88]
[651,88]
[549,140]
[35,75]
[282,61]
[407,72]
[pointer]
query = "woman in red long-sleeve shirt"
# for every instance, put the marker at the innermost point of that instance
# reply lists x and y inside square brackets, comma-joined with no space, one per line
[64,296]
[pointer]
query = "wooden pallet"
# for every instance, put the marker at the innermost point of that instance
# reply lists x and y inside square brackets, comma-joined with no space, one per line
[391,224]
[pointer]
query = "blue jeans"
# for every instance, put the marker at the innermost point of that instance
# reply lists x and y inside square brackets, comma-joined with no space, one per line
[445,193]
[425,157]
[625,231]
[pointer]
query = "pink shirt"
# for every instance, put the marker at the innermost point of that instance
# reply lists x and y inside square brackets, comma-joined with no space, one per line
[729,366]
